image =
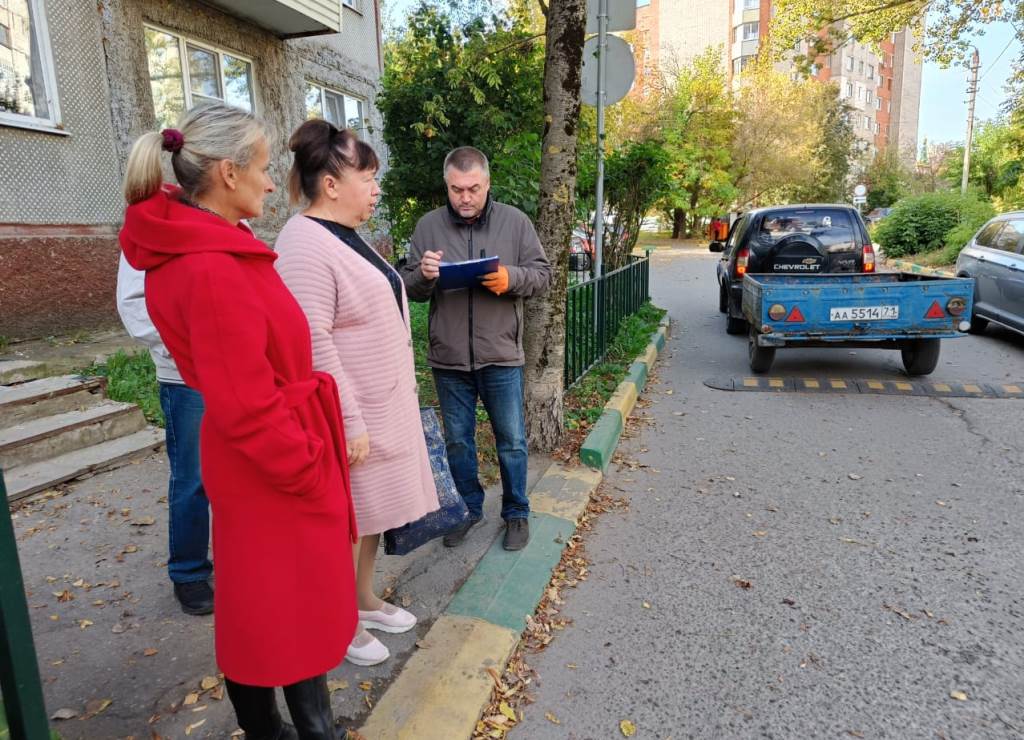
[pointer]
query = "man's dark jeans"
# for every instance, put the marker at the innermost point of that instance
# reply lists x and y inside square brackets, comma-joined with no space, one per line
[501,390]
[188,522]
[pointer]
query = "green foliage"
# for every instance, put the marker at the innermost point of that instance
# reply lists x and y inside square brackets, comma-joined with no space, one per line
[636,177]
[997,163]
[453,81]
[515,172]
[585,401]
[886,178]
[931,221]
[132,378]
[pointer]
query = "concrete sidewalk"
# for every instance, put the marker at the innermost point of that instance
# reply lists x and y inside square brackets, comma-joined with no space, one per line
[117,655]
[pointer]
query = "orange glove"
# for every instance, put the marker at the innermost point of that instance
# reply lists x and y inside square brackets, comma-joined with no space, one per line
[497,282]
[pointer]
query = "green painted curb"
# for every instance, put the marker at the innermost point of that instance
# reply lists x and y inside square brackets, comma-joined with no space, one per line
[658,340]
[916,269]
[506,587]
[596,451]
[638,375]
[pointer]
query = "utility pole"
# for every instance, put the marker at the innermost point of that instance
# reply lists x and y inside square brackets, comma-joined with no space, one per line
[972,90]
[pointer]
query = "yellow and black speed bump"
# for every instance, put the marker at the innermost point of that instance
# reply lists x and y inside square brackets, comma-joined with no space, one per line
[868,386]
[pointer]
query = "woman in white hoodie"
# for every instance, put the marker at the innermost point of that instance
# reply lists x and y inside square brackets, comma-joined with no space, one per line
[188,564]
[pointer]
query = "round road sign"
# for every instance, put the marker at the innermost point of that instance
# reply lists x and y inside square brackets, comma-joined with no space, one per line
[619,71]
[860,190]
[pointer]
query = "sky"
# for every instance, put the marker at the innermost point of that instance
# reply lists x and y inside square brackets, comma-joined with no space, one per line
[944,91]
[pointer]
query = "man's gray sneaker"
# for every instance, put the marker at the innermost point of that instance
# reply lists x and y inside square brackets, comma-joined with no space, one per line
[517,534]
[455,537]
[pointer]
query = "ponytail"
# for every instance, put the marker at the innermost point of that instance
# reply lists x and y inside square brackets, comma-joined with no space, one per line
[143,176]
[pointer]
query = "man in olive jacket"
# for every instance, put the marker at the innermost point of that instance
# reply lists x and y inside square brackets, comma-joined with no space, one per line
[476,334]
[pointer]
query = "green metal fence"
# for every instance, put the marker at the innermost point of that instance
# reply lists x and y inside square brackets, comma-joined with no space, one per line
[595,309]
[19,673]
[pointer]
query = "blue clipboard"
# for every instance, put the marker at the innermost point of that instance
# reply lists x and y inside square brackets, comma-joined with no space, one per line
[456,275]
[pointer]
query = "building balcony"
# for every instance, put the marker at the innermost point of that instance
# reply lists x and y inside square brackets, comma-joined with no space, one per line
[287,18]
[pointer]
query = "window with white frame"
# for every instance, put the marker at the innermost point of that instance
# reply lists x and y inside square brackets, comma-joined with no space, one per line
[751,30]
[341,109]
[356,5]
[849,89]
[871,71]
[878,103]
[751,4]
[860,66]
[185,72]
[849,63]
[867,122]
[28,87]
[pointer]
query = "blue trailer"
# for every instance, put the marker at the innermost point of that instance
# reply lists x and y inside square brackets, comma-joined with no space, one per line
[904,311]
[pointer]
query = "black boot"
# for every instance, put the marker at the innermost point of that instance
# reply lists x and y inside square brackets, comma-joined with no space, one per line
[256,709]
[309,703]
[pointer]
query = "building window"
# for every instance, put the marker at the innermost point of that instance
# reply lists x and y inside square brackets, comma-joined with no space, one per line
[849,89]
[871,71]
[878,129]
[867,122]
[751,30]
[860,93]
[356,5]
[860,67]
[849,63]
[341,109]
[878,103]
[751,4]
[28,88]
[184,72]
[867,96]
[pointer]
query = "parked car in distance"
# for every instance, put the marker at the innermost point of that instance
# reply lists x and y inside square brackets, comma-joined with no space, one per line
[581,251]
[994,259]
[808,239]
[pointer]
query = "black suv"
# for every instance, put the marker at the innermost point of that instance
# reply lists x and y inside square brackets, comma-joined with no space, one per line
[796,239]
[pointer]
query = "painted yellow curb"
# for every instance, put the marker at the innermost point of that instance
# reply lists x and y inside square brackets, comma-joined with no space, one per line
[623,400]
[564,492]
[650,356]
[444,687]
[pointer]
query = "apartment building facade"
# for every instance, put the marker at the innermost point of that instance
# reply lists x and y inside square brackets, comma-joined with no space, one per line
[81,79]
[883,86]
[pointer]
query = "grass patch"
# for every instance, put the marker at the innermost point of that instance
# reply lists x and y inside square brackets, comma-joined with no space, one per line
[132,378]
[945,257]
[585,401]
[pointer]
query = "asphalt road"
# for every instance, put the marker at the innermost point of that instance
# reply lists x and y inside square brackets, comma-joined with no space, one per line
[880,538]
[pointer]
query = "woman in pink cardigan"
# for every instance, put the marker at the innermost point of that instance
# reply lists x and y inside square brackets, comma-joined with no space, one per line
[359,320]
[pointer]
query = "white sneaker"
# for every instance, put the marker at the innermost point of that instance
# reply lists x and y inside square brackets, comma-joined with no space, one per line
[389,618]
[366,650]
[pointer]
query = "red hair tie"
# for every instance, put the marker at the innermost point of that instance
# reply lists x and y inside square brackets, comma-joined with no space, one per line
[174,140]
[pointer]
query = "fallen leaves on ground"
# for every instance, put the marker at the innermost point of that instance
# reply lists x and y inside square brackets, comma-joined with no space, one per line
[552,718]
[95,706]
[896,610]
[741,582]
[627,728]
[334,684]
[194,725]
[64,714]
[209,682]
[150,652]
[958,695]
[512,686]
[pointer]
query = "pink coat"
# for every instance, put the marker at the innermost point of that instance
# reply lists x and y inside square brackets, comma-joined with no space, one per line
[365,343]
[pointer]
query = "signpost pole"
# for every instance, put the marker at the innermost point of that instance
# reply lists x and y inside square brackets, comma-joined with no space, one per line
[602,62]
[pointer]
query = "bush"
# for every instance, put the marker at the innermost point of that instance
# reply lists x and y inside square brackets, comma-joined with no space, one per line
[932,221]
[132,378]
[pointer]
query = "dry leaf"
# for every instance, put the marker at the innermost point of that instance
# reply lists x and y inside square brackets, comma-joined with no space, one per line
[144,521]
[209,682]
[64,714]
[129,549]
[854,476]
[646,605]
[552,718]
[194,725]
[627,728]
[505,709]
[83,623]
[958,695]
[217,694]
[366,685]
[334,684]
[95,706]
[760,533]
[150,652]
[406,601]
[64,596]
[118,628]
[741,582]
[191,698]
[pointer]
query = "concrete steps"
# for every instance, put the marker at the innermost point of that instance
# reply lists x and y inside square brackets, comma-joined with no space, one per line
[55,429]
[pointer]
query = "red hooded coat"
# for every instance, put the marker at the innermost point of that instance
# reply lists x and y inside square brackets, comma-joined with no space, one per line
[272,441]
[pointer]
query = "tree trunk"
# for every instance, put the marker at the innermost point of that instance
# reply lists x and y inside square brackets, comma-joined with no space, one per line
[544,335]
[678,223]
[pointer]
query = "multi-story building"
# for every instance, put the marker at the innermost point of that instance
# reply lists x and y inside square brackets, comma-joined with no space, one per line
[81,79]
[882,87]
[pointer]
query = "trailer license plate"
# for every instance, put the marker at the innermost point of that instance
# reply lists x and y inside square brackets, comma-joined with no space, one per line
[864,313]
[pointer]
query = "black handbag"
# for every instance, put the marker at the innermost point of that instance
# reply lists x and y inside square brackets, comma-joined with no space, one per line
[452,512]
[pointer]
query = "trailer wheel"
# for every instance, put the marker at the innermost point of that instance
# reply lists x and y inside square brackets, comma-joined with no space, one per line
[735,326]
[761,358]
[920,356]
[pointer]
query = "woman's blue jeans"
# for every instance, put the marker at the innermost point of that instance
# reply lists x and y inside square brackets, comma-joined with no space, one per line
[188,523]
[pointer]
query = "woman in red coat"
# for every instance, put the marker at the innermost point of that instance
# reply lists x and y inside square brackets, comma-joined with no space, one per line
[272,441]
